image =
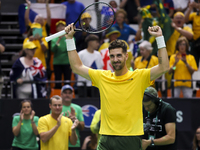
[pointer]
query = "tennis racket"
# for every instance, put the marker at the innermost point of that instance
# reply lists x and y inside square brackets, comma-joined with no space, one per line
[95,18]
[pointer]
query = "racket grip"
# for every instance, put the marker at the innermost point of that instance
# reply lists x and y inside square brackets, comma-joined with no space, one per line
[53,36]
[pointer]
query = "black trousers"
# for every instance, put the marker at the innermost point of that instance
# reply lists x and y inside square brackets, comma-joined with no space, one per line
[60,70]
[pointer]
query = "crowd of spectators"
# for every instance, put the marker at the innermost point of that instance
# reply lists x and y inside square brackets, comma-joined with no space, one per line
[33,64]
[127,12]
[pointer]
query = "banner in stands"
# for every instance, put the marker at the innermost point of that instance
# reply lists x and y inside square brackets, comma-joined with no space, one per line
[187,112]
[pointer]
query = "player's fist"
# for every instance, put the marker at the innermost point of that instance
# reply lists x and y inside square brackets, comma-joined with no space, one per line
[155,31]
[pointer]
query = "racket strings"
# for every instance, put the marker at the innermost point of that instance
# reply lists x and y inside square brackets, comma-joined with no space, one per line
[97,18]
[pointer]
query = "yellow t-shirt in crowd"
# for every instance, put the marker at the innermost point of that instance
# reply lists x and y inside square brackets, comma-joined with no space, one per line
[181,72]
[44,30]
[121,100]
[59,141]
[39,52]
[93,126]
[139,64]
[171,43]
[105,46]
[195,25]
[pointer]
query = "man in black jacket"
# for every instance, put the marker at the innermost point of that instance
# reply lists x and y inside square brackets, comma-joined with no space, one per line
[159,123]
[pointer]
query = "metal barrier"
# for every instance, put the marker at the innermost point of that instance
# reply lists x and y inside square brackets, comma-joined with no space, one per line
[48,85]
[174,80]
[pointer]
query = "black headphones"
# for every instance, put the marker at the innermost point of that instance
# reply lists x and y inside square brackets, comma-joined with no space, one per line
[154,99]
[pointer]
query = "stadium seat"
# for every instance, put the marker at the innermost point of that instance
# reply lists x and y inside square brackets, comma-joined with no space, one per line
[198,93]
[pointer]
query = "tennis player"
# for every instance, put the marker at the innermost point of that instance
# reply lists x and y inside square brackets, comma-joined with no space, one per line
[121,91]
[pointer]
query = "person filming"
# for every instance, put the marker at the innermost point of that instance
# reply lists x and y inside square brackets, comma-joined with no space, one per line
[159,123]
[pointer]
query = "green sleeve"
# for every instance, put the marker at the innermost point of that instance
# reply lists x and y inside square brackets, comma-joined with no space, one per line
[36,118]
[80,115]
[15,121]
[54,47]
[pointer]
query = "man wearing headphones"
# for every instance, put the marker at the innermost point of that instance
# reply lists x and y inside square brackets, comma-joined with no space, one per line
[159,123]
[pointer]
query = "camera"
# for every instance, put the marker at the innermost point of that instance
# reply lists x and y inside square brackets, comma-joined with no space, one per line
[147,125]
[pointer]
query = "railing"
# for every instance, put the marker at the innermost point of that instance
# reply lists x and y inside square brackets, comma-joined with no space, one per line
[48,86]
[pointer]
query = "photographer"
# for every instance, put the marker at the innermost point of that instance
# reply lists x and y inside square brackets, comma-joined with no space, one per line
[159,123]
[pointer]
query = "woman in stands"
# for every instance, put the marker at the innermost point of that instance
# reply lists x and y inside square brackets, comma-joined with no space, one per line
[183,65]
[28,68]
[196,140]
[24,128]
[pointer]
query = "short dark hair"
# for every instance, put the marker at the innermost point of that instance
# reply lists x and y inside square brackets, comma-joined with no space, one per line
[91,37]
[151,91]
[22,102]
[57,97]
[118,44]
[181,39]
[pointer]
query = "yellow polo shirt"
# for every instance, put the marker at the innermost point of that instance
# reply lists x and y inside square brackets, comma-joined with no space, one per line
[121,100]
[59,141]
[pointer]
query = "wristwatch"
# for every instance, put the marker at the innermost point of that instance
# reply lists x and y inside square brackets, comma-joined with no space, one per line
[152,142]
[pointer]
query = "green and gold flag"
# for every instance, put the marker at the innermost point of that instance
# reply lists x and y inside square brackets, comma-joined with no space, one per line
[163,20]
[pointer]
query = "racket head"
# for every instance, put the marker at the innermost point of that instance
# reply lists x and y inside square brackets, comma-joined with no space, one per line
[96,18]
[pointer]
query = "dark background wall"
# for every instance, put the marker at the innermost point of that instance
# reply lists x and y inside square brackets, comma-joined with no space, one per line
[187,112]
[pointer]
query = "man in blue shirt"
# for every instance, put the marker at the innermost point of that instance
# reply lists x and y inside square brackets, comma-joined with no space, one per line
[74,9]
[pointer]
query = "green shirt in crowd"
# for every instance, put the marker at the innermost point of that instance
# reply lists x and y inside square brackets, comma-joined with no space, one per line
[79,116]
[26,138]
[60,52]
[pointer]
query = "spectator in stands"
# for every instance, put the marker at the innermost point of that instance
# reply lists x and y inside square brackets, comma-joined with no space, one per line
[183,65]
[92,59]
[194,18]
[114,5]
[54,129]
[81,36]
[72,111]
[179,30]
[169,7]
[39,41]
[96,122]
[181,5]
[148,4]
[60,61]
[146,60]
[131,8]
[125,29]
[24,128]
[28,68]
[112,34]
[74,9]
[196,140]
[90,142]
[2,49]
[45,23]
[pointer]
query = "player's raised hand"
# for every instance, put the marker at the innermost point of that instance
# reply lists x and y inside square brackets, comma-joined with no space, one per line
[155,31]
[70,31]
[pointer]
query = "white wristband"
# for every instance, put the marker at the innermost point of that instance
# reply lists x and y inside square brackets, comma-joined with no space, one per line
[70,44]
[160,42]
